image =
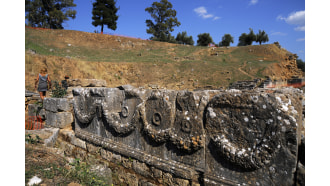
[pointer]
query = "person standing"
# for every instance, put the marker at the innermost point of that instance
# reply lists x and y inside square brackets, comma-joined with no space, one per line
[44,81]
[65,82]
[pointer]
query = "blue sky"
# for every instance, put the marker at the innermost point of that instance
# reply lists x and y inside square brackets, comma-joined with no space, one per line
[282,20]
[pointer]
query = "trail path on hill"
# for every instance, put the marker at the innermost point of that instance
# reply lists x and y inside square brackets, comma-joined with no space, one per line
[244,71]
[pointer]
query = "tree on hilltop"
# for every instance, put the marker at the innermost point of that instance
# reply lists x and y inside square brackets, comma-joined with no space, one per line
[226,40]
[104,13]
[165,19]
[204,39]
[262,37]
[241,40]
[247,39]
[49,13]
[183,38]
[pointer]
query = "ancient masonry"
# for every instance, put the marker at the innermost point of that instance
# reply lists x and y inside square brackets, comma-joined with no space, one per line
[211,137]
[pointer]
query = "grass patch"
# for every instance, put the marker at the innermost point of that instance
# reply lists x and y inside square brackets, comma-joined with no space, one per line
[259,72]
[54,170]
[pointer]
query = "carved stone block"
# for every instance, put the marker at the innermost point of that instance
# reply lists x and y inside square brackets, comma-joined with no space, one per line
[188,133]
[157,115]
[252,136]
[229,137]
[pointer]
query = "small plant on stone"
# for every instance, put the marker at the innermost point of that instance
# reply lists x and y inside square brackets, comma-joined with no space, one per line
[39,107]
[39,103]
[31,140]
[58,91]
[81,171]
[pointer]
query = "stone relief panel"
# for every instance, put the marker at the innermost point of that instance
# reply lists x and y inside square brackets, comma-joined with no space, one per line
[121,114]
[113,108]
[222,134]
[85,106]
[252,137]
[187,133]
[157,116]
[243,128]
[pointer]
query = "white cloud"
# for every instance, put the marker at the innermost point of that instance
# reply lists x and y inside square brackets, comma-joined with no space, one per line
[278,34]
[280,17]
[253,2]
[202,12]
[301,39]
[295,18]
[300,28]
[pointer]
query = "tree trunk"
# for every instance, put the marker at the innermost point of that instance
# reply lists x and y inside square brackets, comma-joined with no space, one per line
[102,29]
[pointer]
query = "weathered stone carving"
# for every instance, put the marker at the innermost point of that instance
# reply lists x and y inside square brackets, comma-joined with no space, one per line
[252,137]
[84,106]
[243,128]
[123,118]
[115,108]
[157,116]
[187,133]
[229,136]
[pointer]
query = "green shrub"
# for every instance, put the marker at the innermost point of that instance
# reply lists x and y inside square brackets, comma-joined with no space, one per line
[31,140]
[58,91]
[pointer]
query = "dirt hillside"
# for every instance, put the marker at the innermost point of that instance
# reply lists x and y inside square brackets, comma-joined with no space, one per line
[124,60]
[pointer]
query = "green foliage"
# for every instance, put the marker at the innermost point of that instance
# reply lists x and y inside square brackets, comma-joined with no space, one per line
[301,64]
[165,19]
[79,172]
[183,38]
[247,39]
[242,39]
[31,140]
[82,173]
[39,104]
[165,38]
[260,72]
[39,107]
[49,13]
[58,91]
[104,13]
[204,39]
[226,40]
[262,37]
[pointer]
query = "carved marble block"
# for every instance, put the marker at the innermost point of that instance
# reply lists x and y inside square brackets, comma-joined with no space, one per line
[228,137]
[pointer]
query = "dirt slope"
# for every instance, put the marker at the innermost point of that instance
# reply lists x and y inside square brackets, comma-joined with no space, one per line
[122,60]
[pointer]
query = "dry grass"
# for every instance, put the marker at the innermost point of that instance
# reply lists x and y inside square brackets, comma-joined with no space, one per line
[120,60]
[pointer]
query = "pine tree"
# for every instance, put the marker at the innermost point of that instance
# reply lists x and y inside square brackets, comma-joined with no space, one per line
[104,13]
[49,13]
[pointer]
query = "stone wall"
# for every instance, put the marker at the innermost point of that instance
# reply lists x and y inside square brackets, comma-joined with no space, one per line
[213,137]
[58,112]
